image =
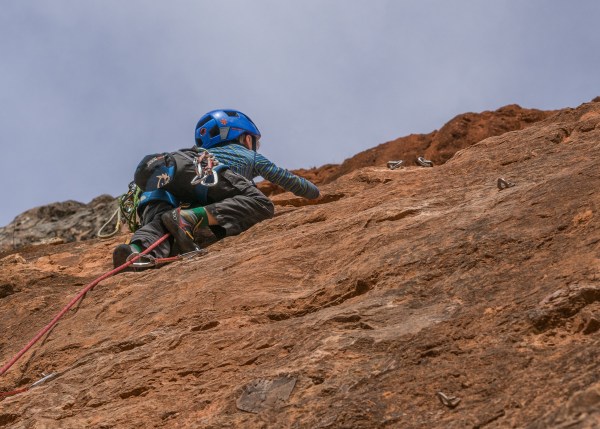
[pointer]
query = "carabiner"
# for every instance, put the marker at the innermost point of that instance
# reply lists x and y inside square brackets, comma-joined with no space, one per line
[392,165]
[145,261]
[202,174]
[199,170]
[215,179]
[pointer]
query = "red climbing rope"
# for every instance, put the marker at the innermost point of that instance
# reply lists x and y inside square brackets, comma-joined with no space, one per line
[73,302]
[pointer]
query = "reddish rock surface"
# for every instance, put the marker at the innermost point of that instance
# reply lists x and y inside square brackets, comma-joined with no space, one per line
[351,312]
[438,146]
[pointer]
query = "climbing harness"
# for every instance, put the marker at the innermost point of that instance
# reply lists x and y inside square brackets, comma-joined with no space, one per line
[78,297]
[424,162]
[504,184]
[392,165]
[204,173]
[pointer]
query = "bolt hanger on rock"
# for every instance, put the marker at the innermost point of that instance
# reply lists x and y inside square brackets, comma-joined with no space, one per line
[448,401]
[504,184]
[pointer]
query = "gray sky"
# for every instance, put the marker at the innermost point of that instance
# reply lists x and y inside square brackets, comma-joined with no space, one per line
[89,87]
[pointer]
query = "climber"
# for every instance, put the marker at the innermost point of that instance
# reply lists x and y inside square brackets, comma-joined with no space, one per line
[206,209]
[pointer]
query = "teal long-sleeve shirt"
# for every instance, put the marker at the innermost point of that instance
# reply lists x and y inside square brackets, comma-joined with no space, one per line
[250,164]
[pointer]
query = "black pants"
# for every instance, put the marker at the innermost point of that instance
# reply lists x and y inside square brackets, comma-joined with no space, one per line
[234,201]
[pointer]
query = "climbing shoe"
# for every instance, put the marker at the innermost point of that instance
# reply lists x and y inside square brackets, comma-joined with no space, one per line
[181,226]
[121,254]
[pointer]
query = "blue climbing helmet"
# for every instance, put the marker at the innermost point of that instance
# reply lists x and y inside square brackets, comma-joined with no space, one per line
[224,125]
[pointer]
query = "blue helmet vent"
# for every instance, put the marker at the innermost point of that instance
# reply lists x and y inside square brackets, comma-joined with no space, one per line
[214,132]
[204,121]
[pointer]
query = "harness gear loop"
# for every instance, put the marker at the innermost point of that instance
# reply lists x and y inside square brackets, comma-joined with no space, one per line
[204,173]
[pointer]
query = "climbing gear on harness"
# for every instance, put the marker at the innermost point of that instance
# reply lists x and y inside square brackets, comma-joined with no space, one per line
[222,125]
[181,228]
[128,204]
[424,162]
[73,301]
[504,184]
[392,165]
[126,212]
[203,174]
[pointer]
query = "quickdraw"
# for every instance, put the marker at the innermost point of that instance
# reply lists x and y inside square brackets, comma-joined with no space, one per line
[128,204]
[204,173]
[392,165]
[127,210]
[149,261]
[424,162]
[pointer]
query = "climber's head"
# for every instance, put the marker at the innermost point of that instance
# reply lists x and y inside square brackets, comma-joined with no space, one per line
[226,125]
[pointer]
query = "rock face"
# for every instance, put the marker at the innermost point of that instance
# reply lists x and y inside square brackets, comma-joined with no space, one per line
[417,297]
[438,146]
[58,223]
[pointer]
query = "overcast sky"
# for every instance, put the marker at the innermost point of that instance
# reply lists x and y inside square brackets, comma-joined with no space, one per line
[88,87]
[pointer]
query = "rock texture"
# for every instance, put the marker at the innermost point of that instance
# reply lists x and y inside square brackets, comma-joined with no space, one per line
[59,223]
[363,310]
[438,146]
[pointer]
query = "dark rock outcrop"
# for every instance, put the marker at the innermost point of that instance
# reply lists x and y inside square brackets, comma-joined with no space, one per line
[58,223]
